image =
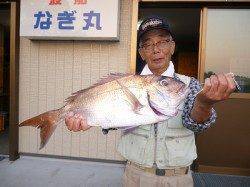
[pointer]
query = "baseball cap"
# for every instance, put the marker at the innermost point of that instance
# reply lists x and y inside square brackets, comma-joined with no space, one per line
[153,22]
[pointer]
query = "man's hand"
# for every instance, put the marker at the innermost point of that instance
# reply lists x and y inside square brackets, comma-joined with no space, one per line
[216,88]
[76,122]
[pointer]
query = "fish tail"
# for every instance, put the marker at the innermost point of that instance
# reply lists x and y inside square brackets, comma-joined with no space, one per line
[46,122]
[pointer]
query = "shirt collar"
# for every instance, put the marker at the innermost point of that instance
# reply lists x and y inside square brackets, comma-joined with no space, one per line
[169,72]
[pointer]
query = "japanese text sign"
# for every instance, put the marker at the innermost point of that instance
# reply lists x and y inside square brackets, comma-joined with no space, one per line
[70,19]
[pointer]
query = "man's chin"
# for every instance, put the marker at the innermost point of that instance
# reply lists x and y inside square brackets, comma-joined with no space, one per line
[160,65]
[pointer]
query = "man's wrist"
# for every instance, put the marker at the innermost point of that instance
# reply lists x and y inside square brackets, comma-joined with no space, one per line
[203,106]
[201,111]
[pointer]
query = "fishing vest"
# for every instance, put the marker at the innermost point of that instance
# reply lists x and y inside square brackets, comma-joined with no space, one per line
[166,144]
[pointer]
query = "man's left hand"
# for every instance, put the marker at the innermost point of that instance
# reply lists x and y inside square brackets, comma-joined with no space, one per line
[216,88]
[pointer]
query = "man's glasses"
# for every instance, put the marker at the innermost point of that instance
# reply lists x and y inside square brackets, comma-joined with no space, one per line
[163,44]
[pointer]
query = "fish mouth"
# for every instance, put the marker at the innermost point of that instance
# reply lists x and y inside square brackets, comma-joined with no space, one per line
[157,112]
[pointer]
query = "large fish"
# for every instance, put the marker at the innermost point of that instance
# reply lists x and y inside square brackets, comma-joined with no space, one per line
[117,101]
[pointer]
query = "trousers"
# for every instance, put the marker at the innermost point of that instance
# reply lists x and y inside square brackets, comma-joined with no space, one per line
[136,177]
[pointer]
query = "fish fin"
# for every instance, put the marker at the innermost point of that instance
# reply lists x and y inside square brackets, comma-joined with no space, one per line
[46,122]
[126,130]
[136,105]
[103,80]
[112,77]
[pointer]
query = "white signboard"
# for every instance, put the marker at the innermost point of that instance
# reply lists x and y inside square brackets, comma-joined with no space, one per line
[70,19]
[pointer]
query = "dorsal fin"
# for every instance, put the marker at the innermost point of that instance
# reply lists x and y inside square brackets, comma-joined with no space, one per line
[103,80]
[111,77]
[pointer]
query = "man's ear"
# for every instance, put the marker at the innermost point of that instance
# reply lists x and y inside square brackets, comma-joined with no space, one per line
[141,52]
[172,47]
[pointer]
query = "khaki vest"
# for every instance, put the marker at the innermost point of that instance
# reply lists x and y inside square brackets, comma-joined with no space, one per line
[173,146]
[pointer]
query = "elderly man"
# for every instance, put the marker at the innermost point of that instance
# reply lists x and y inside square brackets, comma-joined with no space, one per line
[161,154]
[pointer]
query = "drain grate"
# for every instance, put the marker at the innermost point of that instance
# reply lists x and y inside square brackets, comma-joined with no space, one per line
[216,180]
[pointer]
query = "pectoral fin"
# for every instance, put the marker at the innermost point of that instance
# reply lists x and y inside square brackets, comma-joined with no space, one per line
[153,106]
[131,98]
[126,130]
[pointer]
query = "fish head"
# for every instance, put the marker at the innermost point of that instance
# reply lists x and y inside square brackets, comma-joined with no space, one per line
[166,94]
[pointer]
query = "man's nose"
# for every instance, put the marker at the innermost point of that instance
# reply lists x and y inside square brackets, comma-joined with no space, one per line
[156,49]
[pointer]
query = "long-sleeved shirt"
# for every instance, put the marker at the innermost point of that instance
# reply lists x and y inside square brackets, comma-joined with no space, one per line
[188,122]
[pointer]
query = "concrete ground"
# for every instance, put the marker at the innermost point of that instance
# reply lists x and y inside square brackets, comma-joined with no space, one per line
[50,172]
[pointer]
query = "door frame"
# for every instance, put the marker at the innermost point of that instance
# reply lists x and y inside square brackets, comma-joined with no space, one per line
[14,80]
[14,77]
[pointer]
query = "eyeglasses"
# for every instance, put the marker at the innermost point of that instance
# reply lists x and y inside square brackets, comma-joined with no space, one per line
[163,44]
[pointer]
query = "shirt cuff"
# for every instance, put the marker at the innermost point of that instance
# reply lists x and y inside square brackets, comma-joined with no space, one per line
[192,125]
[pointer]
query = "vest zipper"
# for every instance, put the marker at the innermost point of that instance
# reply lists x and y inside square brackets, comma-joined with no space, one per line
[155,147]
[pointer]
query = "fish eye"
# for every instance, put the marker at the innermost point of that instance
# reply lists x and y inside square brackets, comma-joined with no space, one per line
[163,82]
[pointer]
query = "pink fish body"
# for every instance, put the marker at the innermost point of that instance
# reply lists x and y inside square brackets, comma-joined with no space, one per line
[118,101]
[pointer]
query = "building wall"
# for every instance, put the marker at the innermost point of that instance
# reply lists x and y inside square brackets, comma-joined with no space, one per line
[51,70]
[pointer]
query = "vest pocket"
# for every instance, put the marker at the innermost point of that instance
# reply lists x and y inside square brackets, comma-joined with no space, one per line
[133,147]
[181,150]
[176,122]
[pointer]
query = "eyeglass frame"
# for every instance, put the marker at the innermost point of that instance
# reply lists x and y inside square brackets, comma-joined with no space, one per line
[153,45]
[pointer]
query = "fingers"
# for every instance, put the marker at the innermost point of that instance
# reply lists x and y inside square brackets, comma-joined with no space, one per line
[231,83]
[207,85]
[217,88]
[84,124]
[214,83]
[69,120]
[222,86]
[76,122]
[226,86]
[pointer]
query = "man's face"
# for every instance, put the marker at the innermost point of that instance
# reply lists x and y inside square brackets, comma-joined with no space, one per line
[156,48]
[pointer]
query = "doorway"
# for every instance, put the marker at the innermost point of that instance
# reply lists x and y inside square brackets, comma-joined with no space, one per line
[185,25]
[4,77]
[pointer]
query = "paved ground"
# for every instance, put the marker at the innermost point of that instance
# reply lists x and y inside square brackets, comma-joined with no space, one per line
[49,172]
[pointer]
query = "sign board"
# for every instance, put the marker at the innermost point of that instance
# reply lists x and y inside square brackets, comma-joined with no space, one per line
[70,19]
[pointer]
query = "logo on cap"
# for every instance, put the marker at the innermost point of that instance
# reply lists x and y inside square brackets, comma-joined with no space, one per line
[151,23]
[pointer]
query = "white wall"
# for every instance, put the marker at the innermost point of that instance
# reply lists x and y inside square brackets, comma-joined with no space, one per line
[51,70]
[228,41]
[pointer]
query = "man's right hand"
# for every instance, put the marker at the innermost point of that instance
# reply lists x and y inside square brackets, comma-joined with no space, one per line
[76,122]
